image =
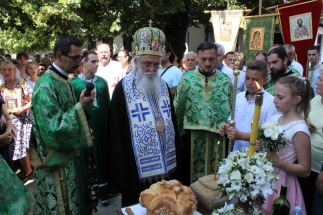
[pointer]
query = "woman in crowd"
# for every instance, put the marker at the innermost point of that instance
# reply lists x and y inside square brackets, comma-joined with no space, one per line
[15,198]
[124,58]
[42,69]
[315,123]
[18,107]
[46,61]
[6,137]
[182,65]
[22,60]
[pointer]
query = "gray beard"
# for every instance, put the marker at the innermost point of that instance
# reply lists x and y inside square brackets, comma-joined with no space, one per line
[149,82]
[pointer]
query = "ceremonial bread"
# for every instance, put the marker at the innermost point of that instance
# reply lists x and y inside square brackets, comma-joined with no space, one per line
[168,198]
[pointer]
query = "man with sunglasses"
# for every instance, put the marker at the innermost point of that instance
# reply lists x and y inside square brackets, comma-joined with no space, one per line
[143,143]
[60,135]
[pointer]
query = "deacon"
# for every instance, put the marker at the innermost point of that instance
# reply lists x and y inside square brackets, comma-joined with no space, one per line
[278,65]
[202,104]
[98,112]
[143,143]
[62,133]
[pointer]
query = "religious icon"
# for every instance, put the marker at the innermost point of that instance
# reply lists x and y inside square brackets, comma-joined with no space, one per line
[11,104]
[257,38]
[225,31]
[143,39]
[155,45]
[301,27]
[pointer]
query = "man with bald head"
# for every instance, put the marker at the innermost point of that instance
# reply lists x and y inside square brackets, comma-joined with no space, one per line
[108,69]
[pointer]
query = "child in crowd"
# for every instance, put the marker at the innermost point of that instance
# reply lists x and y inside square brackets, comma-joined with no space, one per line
[292,98]
[245,105]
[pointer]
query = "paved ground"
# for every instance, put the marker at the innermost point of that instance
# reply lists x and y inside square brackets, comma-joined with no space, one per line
[113,204]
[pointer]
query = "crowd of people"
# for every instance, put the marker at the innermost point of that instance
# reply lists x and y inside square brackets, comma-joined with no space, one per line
[148,119]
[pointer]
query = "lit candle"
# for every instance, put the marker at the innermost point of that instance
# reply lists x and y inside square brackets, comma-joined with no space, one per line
[216,159]
[255,122]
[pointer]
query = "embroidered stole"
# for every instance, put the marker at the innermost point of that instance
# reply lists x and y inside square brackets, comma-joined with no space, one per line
[152,131]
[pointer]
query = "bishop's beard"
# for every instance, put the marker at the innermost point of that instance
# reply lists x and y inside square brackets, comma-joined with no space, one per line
[149,82]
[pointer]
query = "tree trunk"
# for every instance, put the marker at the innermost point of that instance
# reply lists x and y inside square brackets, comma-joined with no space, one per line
[175,32]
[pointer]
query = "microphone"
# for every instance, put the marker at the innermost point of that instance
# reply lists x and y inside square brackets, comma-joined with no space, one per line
[89,88]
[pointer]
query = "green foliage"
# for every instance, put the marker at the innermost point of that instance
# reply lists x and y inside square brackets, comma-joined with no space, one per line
[34,25]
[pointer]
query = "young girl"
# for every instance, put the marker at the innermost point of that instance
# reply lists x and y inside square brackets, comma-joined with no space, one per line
[291,99]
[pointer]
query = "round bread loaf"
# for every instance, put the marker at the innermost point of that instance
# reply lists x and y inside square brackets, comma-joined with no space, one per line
[168,198]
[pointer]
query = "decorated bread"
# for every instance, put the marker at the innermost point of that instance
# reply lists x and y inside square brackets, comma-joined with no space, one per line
[168,198]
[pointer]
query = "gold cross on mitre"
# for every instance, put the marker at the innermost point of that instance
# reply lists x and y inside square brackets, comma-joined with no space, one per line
[150,22]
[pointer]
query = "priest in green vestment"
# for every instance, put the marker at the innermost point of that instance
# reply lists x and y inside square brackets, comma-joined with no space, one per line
[61,133]
[202,104]
[98,112]
[278,65]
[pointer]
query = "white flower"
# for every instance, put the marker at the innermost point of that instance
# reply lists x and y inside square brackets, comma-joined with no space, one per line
[249,177]
[235,175]
[268,132]
[274,135]
[244,162]
[223,179]
[236,184]
[266,189]
[254,169]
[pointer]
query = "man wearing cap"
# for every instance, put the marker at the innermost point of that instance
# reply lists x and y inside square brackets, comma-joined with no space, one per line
[143,143]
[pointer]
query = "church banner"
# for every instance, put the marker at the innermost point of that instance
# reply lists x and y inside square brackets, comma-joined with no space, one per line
[299,22]
[226,27]
[259,35]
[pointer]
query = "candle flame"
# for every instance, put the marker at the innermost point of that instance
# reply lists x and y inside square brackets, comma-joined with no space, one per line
[258,86]
[218,143]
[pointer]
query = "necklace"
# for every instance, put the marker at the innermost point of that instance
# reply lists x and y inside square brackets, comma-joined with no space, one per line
[159,125]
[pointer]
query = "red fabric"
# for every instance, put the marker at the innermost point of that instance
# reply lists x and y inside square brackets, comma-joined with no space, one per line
[295,8]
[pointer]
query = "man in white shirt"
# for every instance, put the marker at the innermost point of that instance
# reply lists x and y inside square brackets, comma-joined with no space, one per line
[290,49]
[108,69]
[245,105]
[190,61]
[169,73]
[220,65]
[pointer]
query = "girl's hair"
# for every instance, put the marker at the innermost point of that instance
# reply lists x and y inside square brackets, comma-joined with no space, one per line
[9,64]
[28,65]
[299,87]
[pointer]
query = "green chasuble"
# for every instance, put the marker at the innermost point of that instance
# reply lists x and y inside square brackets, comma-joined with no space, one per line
[98,112]
[202,105]
[62,133]
[15,199]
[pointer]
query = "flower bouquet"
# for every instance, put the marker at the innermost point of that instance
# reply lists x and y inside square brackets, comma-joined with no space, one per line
[229,210]
[271,136]
[247,178]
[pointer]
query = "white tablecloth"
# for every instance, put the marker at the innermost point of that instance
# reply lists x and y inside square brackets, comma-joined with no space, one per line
[139,210]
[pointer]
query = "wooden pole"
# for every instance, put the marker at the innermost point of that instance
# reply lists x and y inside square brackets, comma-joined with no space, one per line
[228,4]
[260,6]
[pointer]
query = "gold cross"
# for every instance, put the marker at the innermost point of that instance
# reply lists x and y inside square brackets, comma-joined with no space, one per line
[150,22]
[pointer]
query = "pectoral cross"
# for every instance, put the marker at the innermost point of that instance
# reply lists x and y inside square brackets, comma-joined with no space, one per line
[150,22]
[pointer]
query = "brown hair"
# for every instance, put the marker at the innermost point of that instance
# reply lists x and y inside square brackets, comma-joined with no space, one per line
[299,87]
